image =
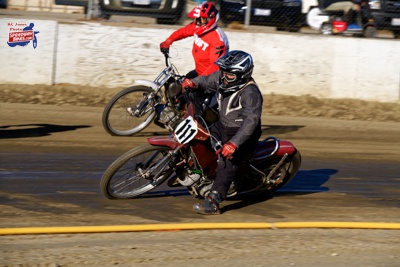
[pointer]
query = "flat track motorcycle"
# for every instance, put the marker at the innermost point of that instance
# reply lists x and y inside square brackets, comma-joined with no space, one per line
[134,108]
[187,158]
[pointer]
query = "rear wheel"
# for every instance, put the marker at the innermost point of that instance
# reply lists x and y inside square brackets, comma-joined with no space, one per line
[136,172]
[283,174]
[370,32]
[326,28]
[129,111]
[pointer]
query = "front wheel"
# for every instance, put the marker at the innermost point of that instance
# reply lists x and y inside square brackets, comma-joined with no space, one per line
[136,172]
[130,111]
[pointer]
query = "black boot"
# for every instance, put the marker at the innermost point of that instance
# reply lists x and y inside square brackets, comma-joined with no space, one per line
[210,204]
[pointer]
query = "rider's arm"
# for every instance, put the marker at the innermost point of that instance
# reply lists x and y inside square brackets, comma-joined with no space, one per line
[181,33]
[207,83]
[212,68]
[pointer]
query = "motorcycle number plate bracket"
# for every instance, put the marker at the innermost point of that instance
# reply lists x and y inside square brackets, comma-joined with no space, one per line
[186,130]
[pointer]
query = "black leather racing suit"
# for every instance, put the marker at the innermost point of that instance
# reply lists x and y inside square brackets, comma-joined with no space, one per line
[240,123]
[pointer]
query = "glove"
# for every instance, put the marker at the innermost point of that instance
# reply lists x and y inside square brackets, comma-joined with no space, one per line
[164,46]
[227,150]
[187,84]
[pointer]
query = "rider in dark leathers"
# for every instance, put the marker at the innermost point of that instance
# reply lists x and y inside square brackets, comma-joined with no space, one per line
[239,127]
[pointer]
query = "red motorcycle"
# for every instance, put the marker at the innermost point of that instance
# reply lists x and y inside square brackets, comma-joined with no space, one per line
[187,158]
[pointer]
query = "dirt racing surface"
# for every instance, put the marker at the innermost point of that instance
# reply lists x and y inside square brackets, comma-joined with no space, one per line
[275,105]
[356,131]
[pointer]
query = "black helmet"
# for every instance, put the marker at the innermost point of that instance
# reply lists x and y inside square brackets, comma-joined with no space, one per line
[236,68]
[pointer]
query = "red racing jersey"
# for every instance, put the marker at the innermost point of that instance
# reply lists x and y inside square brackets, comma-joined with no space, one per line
[207,48]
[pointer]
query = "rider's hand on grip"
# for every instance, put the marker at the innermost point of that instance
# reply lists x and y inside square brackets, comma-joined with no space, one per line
[164,46]
[227,150]
[187,85]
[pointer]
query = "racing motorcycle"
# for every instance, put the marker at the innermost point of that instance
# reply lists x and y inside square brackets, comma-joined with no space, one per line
[134,108]
[187,158]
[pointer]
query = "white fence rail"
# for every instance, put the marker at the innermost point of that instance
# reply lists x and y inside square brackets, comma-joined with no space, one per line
[99,55]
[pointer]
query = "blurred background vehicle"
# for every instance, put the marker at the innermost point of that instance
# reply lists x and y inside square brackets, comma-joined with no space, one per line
[282,15]
[313,14]
[3,3]
[338,23]
[285,15]
[82,3]
[164,11]
[385,13]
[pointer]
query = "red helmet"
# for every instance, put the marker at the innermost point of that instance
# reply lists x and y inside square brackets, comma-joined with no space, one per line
[206,17]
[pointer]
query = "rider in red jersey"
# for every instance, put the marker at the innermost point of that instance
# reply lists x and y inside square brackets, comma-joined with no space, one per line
[210,41]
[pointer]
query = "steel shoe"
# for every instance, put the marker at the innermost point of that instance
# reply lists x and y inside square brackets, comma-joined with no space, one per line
[210,205]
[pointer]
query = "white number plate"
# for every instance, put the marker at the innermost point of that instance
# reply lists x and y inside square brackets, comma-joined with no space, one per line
[262,12]
[141,2]
[186,130]
[396,21]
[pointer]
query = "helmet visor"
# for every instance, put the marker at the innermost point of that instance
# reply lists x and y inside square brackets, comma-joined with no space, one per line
[227,76]
[201,21]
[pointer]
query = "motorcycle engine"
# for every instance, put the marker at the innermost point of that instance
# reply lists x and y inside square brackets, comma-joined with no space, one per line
[173,89]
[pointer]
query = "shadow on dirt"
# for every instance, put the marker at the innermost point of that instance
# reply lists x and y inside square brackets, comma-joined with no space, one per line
[305,182]
[279,129]
[35,130]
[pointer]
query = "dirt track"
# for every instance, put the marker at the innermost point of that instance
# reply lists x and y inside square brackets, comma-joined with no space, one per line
[343,129]
[274,105]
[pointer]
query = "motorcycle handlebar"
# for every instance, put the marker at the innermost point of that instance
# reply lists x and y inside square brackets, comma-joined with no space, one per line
[166,55]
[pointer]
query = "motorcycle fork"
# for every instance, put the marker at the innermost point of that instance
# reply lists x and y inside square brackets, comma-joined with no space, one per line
[157,95]
[147,98]
[159,165]
[162,81]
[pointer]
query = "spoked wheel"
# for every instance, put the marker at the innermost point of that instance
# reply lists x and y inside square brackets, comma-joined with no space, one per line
[129,111]
[284,173]
[136,172]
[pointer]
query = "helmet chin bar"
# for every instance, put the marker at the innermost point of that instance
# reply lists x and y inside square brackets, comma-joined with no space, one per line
[227,88]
